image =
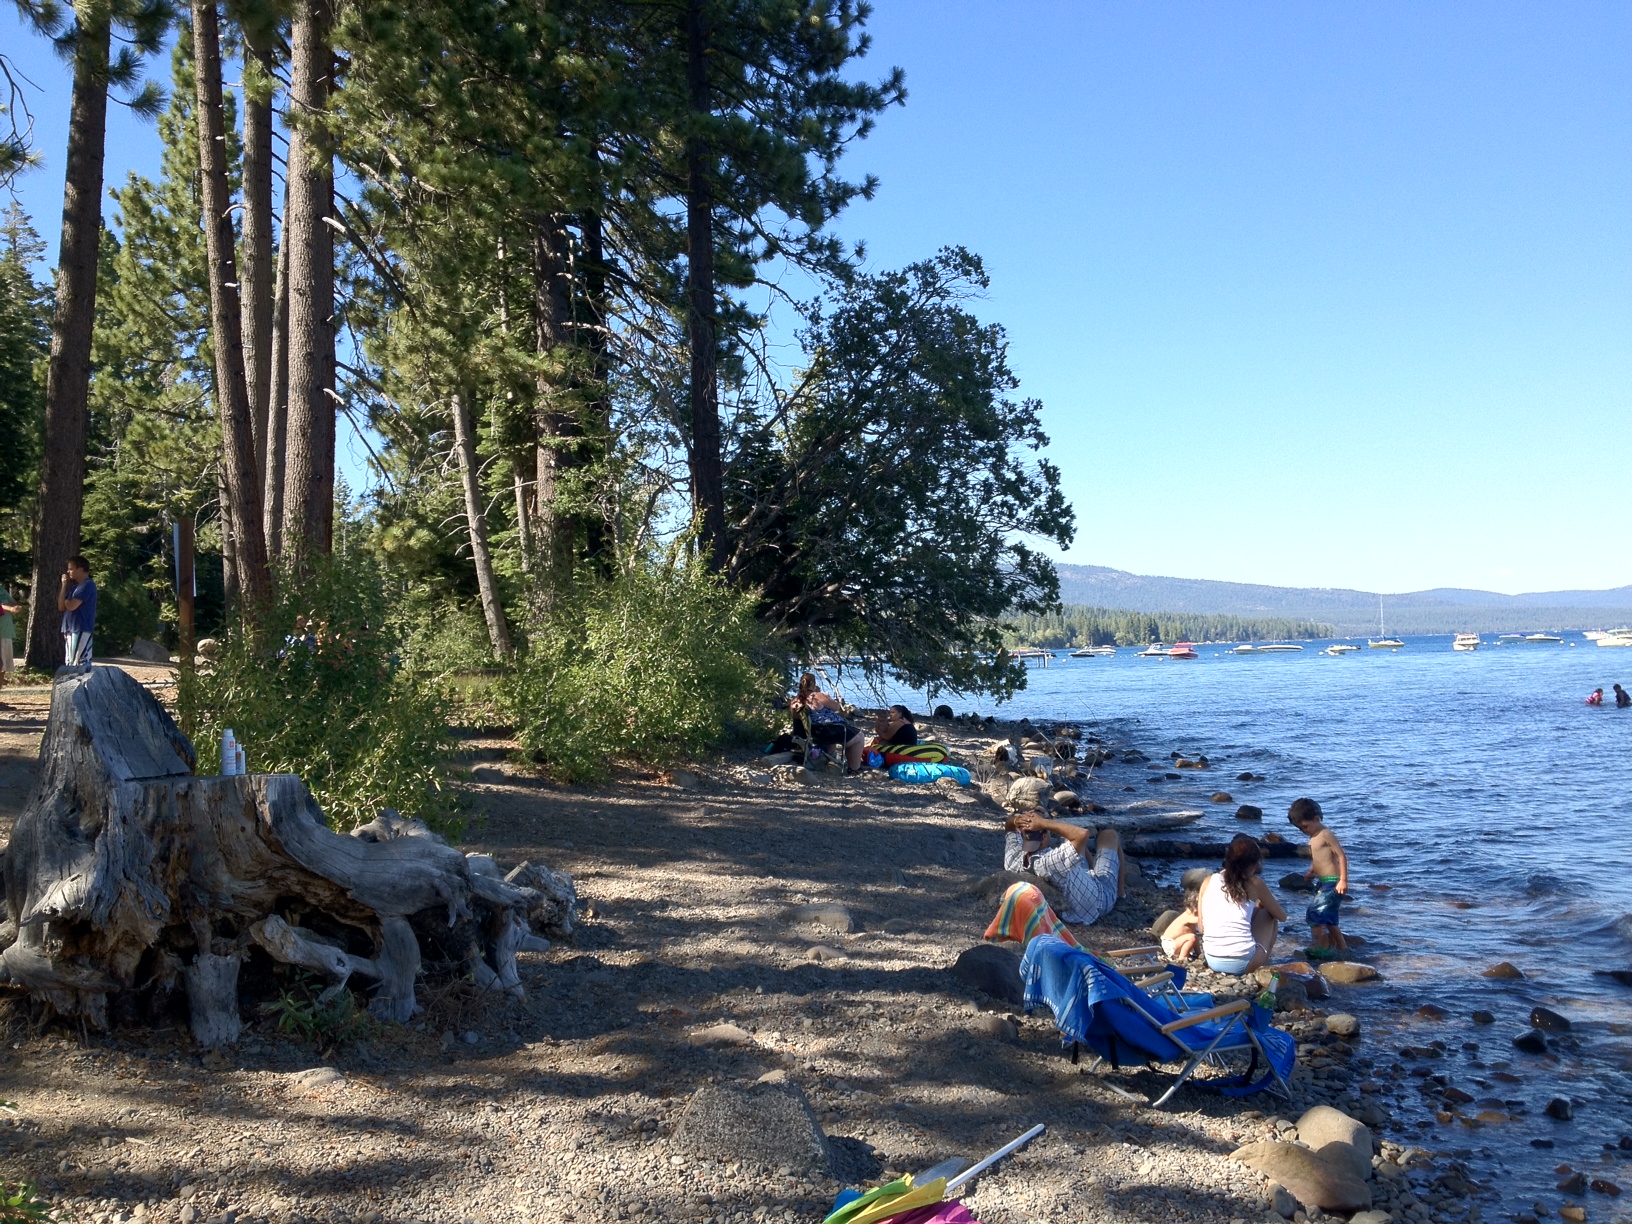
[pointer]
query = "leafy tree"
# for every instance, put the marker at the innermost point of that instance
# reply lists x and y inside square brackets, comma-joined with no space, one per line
[883,508]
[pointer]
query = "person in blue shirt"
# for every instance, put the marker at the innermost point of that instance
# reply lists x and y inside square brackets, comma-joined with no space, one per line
[76,600]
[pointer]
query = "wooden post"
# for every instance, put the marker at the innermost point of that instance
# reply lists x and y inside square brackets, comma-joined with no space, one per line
[184,588]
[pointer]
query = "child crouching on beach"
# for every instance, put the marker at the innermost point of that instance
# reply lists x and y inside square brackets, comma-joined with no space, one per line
[1183,934]
[1329,872]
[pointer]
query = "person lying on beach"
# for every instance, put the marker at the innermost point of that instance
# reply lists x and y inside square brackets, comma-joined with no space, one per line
[824,717]
[1239,915]
[1183,934]
[1090,881]
[1329,872]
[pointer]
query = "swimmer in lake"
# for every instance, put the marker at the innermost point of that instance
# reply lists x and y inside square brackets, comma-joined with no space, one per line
[1622,698]
[1597,697]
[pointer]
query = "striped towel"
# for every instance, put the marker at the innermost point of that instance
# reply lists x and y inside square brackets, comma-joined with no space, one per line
[1024,914]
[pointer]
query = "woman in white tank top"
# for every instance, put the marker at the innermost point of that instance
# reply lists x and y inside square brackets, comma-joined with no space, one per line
[1238,912]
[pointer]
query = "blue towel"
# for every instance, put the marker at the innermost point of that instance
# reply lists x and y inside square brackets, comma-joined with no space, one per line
[1083,992]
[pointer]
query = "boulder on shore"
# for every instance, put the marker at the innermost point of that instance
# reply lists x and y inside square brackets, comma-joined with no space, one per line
[1338,1137]
[1027,793]
[149,652]
[1315,1180]
[991,969]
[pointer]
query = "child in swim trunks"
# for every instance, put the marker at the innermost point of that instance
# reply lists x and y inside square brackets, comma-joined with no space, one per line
[1329,872]
[1183,934]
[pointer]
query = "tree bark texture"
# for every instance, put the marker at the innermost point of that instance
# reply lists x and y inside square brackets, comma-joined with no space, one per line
[595,335]
[308,497]
[498,630]
[243,477]
[135,889]
[258,292]
[554,421]
[60,510]
[707,464]
[277,409]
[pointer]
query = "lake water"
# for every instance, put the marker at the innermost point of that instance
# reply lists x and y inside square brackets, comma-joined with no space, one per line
[1480,787]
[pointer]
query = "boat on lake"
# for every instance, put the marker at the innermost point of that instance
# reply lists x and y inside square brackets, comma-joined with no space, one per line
[1531,639]
[1382,641]
[1466,641]
[1339,649]
[1094,652]
[1615,637]
[1267,648]
[1154,651]
[1182,650]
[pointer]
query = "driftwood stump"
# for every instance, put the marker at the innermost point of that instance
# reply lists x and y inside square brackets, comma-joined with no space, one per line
[129,879]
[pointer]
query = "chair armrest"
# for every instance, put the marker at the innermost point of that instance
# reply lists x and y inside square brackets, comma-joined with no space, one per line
[1234,1007]
[1121,952]
[1153,981]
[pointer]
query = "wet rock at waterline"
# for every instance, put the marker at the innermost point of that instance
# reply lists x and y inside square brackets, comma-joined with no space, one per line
[1347,973]
[1546,1018]
[1249,811]
[1560,1108]
[1314,1179]
[1504,970]
[1483,1017]
[1531,1042]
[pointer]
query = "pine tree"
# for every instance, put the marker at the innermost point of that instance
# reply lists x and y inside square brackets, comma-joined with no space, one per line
[25,336]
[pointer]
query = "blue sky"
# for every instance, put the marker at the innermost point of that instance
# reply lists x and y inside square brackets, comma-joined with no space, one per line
[1313,294]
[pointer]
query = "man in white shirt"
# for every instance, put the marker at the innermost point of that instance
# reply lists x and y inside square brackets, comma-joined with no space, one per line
[1090,881]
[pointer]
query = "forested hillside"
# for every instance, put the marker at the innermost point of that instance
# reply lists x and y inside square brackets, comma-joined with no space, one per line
[1075,625]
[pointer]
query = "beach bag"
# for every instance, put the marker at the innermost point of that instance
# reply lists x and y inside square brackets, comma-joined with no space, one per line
[923,771]
[927,751]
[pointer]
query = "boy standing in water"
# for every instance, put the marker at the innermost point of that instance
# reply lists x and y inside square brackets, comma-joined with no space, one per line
[1329,872]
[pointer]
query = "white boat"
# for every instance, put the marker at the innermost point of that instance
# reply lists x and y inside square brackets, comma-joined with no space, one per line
[1338,649]
[1616,637]
[1267,648]
[1154,651]
[1382,641]
[1094,652]
[1541,639]
[1466,641]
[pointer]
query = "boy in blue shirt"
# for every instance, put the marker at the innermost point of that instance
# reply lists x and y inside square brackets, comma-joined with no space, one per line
[76,600]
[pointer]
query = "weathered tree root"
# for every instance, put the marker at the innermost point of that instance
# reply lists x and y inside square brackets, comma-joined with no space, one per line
[128,878]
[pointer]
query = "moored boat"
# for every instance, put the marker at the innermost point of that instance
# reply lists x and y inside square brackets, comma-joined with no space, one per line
[1616,637]
[1182,650]
[1154,651]
[1338,649]
[1466,641]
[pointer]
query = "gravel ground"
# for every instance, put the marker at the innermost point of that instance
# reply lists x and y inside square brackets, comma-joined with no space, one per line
[561,1106]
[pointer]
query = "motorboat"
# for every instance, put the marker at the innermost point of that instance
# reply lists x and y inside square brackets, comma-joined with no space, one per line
[1154,651]
[1382,641]
[1183,650]
[1616,637]
[1094,652]
[1268,648]
[1339,649]
[1541,639]
[1466,641]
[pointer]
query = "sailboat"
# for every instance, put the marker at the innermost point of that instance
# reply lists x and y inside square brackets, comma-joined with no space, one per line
[1382,641]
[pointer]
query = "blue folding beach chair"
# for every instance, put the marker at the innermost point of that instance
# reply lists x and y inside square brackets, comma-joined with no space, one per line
[1095,1006]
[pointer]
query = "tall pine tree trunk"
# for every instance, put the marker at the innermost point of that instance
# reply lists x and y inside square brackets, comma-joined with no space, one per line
[242,476]
[308,496]
[258,291]
[594,336]
[486,582]
[59,514]
[555,448]
[707,466]
[277,408]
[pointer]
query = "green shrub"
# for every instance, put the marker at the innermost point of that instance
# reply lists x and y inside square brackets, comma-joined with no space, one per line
[654,665]
[322,694]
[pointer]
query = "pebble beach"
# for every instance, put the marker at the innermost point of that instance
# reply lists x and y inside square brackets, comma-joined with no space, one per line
[743,931]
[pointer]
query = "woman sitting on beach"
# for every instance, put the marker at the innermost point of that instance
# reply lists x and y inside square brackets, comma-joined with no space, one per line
[1238,912]
[824,720]
[894,727]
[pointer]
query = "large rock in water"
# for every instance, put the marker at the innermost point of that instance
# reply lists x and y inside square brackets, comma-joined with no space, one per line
[1316,1180]
[769,1124]
[1348,972]
[129,880]
[992,969]
[1339,1138]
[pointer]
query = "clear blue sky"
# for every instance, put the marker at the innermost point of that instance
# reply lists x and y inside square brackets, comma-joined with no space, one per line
[1313,294]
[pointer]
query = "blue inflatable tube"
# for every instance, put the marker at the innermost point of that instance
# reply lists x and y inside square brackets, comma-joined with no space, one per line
[923,771]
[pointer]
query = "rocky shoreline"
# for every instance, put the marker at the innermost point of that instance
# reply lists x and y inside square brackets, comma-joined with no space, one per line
[744,938]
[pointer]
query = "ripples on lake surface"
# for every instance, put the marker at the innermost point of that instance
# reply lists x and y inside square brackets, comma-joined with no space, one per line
[1479,785]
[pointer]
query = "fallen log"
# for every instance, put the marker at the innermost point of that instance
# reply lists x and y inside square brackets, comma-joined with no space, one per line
[1153,847]
[130,881]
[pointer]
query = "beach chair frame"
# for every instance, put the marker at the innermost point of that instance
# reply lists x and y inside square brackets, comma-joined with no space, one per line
[1237,1011]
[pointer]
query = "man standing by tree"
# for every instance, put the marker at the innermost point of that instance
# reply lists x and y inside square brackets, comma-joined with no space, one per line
[76,600]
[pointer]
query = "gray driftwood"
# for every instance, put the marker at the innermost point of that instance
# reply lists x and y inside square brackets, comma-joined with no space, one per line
[128,878]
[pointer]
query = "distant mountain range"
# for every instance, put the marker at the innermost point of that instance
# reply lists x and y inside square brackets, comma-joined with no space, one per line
[1352,613]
